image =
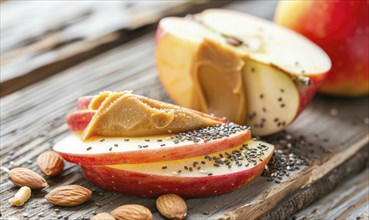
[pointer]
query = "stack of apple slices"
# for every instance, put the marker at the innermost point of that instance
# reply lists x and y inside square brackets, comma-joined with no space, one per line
[203,162]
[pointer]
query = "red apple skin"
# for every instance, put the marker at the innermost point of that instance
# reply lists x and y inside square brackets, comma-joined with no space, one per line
[147,155]
[341,29]
[79,120]
[146,185]
[83,102]
[306,93]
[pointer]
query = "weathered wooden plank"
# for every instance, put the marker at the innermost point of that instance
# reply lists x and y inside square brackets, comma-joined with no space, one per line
[71,34]
[330,134]
[349,201]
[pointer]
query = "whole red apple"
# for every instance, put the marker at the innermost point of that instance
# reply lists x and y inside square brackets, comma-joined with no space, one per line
[341,29]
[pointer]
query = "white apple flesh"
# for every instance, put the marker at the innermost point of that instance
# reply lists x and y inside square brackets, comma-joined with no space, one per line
[201,176]
[118,150]
[239,66]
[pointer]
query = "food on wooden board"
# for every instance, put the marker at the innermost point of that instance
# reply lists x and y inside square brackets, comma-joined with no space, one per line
[212,174]
[341,28]
[50,163]
[238,66]
[70,195]
[22,196]
[143,147]
[21,176]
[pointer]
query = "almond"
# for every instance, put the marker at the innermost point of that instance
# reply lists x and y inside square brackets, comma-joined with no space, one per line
[132,212]
[50,163]
[25,177]
[71,195]
[103,216]
[172,206]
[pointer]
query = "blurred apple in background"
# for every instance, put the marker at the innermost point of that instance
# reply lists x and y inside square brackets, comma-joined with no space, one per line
[341,29]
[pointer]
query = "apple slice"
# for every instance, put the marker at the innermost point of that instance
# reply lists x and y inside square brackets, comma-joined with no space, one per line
[209,175]
[78,121]
[239,66]
[88,106]
[83,102]
[118,150]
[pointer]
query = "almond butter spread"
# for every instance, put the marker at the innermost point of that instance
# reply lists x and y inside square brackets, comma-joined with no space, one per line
[218,85]
[123,114]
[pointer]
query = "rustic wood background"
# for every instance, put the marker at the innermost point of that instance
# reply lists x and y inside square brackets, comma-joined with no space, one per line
[39,39]
[335,143]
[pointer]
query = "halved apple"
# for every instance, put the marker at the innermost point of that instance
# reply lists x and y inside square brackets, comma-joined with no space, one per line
[117,150]
[239,66]
[201,176]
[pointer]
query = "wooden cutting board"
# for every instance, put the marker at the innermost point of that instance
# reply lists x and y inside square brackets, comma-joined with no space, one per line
[331,136]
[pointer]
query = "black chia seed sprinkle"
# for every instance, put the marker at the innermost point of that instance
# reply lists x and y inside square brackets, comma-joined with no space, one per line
[164,167]
[286,158]
[209,133]
[102,140]
[89,148]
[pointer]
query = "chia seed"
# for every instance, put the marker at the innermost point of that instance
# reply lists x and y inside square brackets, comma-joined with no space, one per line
[209,133]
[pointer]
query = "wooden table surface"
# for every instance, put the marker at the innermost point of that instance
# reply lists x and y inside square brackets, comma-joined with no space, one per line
[331,136]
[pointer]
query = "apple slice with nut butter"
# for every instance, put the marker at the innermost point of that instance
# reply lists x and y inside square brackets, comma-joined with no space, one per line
[240,67]
[126,128]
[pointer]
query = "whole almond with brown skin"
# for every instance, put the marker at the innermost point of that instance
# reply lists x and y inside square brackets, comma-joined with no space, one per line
[25,177]
[50,163]
[172,206]
[71,195]
[103,216]
[132,212]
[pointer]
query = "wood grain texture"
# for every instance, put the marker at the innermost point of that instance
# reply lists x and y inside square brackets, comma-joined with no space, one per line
[32,119]
[58,35]
[348,201]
